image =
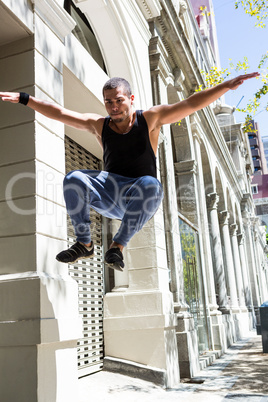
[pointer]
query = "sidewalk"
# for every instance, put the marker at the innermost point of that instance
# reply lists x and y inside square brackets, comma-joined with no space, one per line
[240,375]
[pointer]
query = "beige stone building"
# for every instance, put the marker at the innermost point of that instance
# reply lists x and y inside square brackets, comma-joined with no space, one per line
[195,275]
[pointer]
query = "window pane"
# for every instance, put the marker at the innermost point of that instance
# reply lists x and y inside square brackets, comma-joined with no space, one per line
[193,285]
[84,33]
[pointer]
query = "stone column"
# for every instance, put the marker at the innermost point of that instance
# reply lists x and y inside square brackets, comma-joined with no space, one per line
[256,246]
[185,180]
[237,265]
[186,333]
[139,320]
[242,317]
[247,288]
[205,249]
[251,260]
[229,264]
[219,274]
[215,326]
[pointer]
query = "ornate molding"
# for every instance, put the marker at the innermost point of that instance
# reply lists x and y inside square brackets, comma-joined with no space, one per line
[233,229]
[55,16]
[255,222]
[183,7]
[195,127]
[185,167]
[178,79]
[212,201]
[150,8]
[158,57]
[241,238]
[224,217]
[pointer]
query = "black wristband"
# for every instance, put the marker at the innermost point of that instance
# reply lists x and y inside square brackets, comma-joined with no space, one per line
[24,98]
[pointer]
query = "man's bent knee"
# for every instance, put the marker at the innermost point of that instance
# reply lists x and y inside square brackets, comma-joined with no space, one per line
[73,177]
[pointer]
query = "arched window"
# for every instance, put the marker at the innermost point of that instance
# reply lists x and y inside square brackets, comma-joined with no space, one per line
[84,33]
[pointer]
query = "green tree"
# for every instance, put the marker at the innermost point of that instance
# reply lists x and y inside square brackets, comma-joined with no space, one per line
[215,76]
[259,10]
[255,8]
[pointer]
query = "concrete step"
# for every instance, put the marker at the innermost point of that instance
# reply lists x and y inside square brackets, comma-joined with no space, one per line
[208,358]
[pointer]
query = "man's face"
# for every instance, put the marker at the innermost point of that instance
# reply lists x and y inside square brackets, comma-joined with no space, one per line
[117,104]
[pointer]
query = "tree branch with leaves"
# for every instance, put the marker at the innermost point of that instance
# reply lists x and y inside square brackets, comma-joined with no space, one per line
[255,8]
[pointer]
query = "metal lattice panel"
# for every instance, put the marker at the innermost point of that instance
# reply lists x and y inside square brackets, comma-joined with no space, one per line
[88,274]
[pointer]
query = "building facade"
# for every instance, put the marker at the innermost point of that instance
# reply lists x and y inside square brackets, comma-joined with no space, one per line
[257,149]
[259,186]
[196,273]
[260,197]
[265,147]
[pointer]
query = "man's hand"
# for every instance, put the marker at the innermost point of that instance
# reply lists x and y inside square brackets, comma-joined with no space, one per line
[236,82]
[12,97]
[167,114]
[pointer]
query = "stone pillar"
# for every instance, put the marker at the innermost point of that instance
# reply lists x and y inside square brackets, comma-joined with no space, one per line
[139,321]
[186,198]
[186,178]
[219,274]
[215,327]
[251,260]
[39,323]
[205,249]
[237,265]
[171,221]
[227,250]
[186,333]
[257,252]
[242,317]
[247,288]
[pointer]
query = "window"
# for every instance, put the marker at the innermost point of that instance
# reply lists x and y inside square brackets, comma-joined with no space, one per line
[254,189]
[88,274]
[193,282]
[84,33]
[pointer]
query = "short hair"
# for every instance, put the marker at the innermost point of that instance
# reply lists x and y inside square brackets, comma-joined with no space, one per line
[116,82]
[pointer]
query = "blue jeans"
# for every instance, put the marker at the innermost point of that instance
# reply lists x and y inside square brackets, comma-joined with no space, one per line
[132,200]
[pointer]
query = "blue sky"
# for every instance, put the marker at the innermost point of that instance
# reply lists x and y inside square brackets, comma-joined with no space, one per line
[238,37]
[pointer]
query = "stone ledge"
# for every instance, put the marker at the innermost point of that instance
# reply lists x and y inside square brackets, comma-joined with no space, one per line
[208,358]
[136,370]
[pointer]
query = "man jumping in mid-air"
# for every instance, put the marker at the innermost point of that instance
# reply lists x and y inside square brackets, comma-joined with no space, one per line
[127,189]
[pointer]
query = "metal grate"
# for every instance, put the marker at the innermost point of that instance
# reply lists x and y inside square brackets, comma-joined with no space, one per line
[88,274]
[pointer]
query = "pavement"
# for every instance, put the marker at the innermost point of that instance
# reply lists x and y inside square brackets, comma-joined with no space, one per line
[240,375]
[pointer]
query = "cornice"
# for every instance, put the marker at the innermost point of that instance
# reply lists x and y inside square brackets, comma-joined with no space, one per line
[55,16]
[158,57]
[149,8]
[185,167]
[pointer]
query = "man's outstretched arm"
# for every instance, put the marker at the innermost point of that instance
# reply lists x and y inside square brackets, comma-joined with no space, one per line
[82,121]
[167,114]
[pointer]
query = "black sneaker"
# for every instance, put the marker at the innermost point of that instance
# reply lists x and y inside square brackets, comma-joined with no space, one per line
[114,259]
[77,251]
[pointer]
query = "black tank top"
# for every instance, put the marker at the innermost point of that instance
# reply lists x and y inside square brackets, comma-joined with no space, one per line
[130,154]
